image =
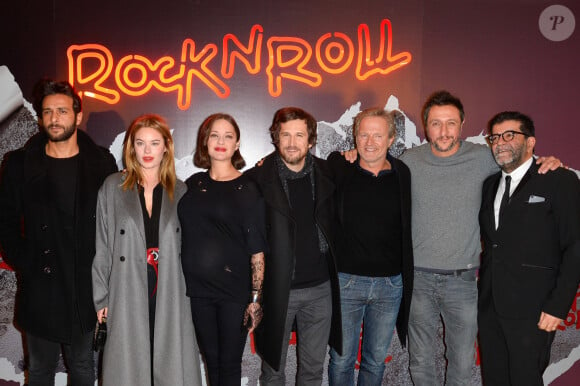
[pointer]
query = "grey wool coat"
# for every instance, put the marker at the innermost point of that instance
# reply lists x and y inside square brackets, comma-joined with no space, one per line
[120,283]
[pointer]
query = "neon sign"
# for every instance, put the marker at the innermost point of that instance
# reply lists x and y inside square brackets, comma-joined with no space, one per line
[95,73]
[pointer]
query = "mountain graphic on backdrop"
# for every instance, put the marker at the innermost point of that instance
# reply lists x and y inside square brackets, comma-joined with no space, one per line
[332,136]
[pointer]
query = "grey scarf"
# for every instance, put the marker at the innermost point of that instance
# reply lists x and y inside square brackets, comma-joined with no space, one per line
[286,174]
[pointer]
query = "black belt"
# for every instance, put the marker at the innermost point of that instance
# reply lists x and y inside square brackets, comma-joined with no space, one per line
[452,272]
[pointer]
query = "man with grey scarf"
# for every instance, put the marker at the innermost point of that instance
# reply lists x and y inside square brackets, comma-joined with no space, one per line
[300,283]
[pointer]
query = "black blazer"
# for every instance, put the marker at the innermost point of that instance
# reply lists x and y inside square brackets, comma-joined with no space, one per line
[280,231]
[532,262]
[343,173]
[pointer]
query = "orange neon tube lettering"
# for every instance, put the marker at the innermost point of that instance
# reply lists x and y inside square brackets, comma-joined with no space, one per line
[288,58]
[77,55]
[95,74]
[243,52]
[329,62]
[208,77]
[384,62]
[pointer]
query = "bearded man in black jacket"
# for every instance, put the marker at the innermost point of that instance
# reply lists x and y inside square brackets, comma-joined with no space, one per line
[48,195]
[300,282]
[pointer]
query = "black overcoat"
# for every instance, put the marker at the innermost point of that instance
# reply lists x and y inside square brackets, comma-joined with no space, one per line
[281,231]
[51,286]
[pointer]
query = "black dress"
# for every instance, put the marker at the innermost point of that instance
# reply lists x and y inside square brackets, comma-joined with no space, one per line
[223,226]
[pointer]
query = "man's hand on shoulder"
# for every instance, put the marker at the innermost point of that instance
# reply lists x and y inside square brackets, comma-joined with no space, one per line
[349,155]
[548,163]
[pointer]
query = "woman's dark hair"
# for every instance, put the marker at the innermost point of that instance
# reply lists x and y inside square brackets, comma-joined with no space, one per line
[201,155]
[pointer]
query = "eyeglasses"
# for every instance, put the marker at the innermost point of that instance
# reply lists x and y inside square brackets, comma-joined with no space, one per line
[507,136]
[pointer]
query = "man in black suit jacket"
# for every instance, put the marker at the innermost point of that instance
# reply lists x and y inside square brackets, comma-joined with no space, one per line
[530,266]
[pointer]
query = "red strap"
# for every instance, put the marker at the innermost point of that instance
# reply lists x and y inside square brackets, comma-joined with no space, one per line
[153,260]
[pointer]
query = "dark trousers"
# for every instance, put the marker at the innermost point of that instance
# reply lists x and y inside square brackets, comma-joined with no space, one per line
[221,337]
[513,351]
[43,357]
[312,310]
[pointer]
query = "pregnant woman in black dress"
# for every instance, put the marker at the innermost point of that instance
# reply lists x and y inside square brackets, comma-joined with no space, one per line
[222,217]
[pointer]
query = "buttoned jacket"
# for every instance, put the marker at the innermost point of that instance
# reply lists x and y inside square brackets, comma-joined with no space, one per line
[531,263]
[120,283]
[52,285]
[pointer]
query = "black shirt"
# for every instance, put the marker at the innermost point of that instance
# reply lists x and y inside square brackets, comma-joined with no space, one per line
[370,238]
[62,179]
[152,223]
[62,186]
[223,225]
[311,266]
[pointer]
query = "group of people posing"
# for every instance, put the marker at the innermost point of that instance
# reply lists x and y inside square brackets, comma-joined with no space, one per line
[344,251]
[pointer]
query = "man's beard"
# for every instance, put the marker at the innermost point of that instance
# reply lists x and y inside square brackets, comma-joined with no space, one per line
[445,149]
[511,163]
[294,159]
[67,132]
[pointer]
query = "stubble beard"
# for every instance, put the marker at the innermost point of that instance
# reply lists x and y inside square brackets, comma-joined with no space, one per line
[509,164]
[67,132]
[441,149]
[293,160]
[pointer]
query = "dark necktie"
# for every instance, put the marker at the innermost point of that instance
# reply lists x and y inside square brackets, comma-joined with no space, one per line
[506,197]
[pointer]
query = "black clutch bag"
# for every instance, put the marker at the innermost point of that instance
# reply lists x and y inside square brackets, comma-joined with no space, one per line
[100,335]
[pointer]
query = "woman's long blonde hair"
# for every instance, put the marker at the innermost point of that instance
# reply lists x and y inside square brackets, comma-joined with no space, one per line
[133,170]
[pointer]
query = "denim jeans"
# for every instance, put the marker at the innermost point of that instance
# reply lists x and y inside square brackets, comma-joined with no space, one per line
[375,302]
[454,298]
[312,309]
[43,357]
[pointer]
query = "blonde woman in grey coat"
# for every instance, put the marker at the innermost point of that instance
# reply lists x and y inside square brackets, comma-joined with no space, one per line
[138,284]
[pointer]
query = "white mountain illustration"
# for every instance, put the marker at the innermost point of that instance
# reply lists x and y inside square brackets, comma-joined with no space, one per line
[332,136]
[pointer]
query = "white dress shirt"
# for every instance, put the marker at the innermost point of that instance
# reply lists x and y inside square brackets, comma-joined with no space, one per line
[516,176]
